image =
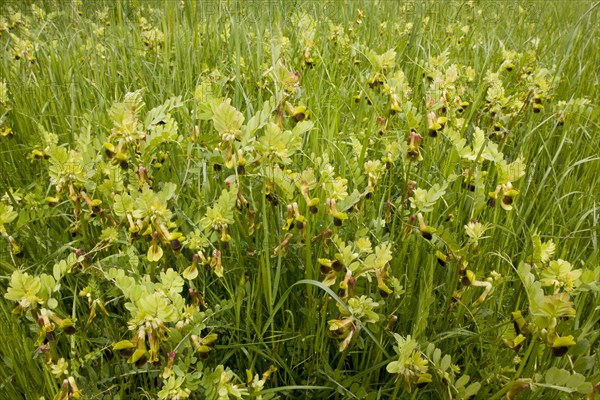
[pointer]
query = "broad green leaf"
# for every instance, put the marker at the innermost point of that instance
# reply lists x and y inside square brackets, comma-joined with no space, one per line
[437,353]
[23,287]
[7,215]
[472,390]
[259,120]
[227,119]
[424,200]
[109,234]
[462,381]
[161,113]
[445,363]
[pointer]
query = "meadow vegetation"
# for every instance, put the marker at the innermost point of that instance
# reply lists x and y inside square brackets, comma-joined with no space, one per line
[299,199]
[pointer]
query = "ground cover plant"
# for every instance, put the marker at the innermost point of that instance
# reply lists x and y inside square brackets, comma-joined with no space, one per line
[320,200]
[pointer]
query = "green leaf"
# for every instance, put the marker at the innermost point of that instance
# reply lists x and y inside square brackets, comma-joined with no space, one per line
[511,172]
[445,364]
[349,201]
[556,376]
[23,287]
[171,281]
[227,119]
[583,364]
[52,303]
[462,381]
[394,367]
[302,127]
[585,388]
[48,285]
[161,113]
[259,120]
[60,269]
[437,354]
[167,192]
[7,215]
[472,390]
[282,180]
[575,380]
[109,234]
[424,200]
[129,108]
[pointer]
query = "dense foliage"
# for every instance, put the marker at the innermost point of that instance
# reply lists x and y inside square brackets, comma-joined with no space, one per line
[351,200]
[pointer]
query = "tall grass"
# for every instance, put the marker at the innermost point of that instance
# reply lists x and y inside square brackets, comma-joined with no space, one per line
[270,307]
